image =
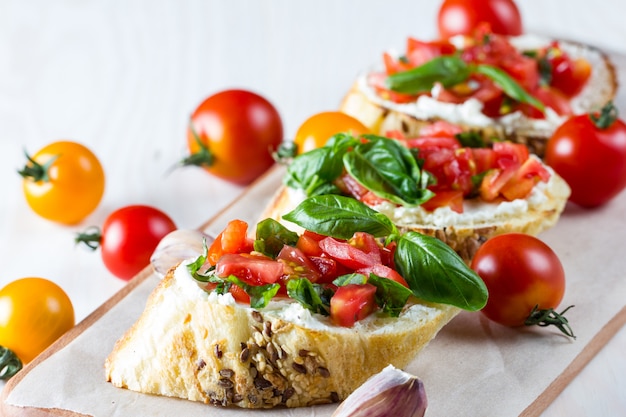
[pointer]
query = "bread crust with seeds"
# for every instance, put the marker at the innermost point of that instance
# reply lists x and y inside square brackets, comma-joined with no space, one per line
[201,347]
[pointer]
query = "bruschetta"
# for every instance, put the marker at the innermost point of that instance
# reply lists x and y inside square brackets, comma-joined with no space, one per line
[443,182]
[516,88]
[292,320]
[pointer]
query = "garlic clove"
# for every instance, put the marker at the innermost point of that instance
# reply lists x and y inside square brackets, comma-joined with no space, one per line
[391,392]
[176,247]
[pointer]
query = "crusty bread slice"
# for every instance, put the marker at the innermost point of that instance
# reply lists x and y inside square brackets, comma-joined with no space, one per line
[206,347]
[382,115]
[463,232]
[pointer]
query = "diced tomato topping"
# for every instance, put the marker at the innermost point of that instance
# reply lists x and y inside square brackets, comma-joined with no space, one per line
[233,239]
[384,272]
[566,76]
[252,269]
[351,303]
[525,178]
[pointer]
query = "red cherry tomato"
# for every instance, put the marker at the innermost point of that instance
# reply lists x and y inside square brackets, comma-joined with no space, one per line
[522,274]
[128,238]
[591,156]
[232,134]
[463,16]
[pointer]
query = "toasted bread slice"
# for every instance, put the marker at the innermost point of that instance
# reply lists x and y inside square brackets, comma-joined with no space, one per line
[206,347]
[382,115]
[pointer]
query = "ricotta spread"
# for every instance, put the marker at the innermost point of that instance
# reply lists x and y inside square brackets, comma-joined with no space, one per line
[286,309]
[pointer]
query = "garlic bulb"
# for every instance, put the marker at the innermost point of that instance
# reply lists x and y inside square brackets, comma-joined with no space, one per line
[176,247]
[391,392]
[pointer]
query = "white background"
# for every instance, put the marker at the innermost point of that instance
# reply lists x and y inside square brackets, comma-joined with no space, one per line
[122,77]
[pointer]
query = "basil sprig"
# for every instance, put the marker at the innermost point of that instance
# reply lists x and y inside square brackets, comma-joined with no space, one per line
[450,70]
[381,165]
[432,269]
[389,170]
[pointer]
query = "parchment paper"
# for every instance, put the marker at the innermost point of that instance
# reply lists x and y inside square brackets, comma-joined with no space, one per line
[473,367]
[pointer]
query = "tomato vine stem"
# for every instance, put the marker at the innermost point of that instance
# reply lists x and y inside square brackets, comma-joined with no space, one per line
[10,364]
[35,170]
[549,317]
[605,117]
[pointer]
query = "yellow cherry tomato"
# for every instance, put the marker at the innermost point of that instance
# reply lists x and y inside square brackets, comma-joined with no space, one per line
[34,312]
[63,182]
[317,129]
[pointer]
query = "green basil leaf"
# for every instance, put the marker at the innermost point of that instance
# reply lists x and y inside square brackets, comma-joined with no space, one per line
[339,217]
[510,87]
[314,171]
[260,295]
[388,169]
[391,296]
[436,273]
[271,236]
[311,296]
[448,70]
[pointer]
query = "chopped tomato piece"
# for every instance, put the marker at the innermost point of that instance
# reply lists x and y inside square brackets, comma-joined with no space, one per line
[297,264]
[233,239]
[515,152]
[252,269]
[452,199]
[328,268]
[484,159]
[433,142]
[355,254]
[419,52]
[525,178]
[394,65]
[351,303]
[384,272]
[440,129]
[494,180]
[308,243]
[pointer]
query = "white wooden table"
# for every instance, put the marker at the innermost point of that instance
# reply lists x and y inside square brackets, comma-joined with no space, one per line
[123,77]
